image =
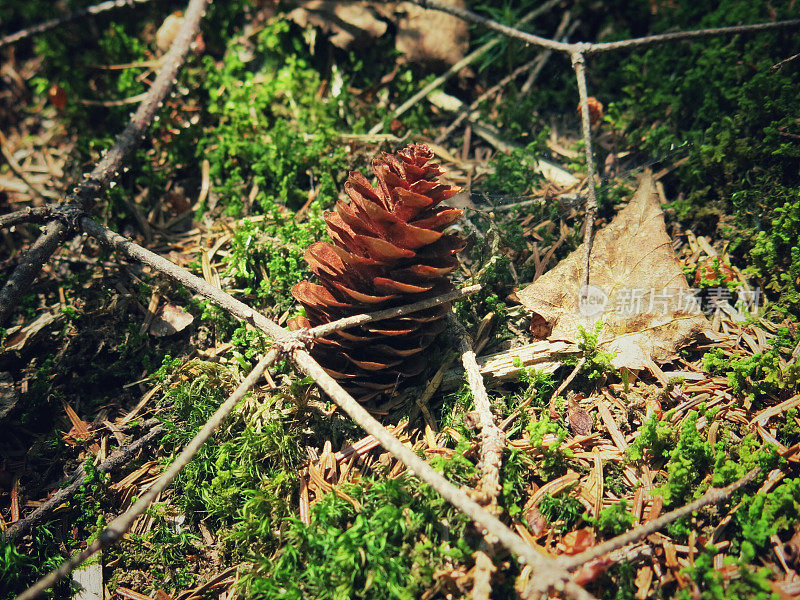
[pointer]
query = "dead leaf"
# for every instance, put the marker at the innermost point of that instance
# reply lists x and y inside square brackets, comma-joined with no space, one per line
[349,23]
[577,541]
[637,289]
[431,37]
[579,420]
[170,320]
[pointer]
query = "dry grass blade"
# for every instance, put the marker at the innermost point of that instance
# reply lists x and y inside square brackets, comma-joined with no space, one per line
[117,528]
[107,168]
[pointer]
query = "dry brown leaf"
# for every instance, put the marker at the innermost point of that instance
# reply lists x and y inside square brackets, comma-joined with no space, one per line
[348,23]
[170,320]
[431,37]
[637,290]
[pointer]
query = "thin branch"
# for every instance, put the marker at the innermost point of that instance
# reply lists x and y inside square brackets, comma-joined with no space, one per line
[53,23]
[595,48]
[38,214]
[467,60]
[511,32]
[687,36]
[490,525]
[107,168]
[119,526]
[493,440]
[552,404]
[492,444]
[118,458]
[390,313]
[201,286]
[578,63]
[712,496]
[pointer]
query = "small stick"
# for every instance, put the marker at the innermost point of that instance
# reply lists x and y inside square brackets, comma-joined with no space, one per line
[201,286]
[119,526]
[467,60]
[118,458]
[390,313]
[578,63]
[108,166]
[31,214]
[594,48]
[552,404]
[493,442]
[53,23]
[712,496]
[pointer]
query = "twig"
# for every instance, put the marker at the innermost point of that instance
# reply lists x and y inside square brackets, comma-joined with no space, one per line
[467,60]
[118,458]
[685,36]
[578,63]
[493,442]
[38,214]
[712,496]
[511,32]
[595,48]
[78,14]
[561,36]
[490,524]
[201,286]
[536,64]
[17,169]
[117,528]
[552,404]
[780,64]
[107,168]
[390,313]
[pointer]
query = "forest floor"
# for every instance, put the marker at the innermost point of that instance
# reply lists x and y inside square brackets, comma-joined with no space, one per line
[273,108]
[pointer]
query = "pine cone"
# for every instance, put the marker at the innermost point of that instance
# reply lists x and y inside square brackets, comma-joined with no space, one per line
[389,250]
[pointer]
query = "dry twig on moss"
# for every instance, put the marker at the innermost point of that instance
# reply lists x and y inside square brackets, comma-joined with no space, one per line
[108,166]
[118,458]
[117,528]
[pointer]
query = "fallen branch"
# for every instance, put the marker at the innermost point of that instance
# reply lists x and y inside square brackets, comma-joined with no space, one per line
[73,16]
[546,568]
[579,64]
[108,166]
[596,48]
[39,214]
[118,458]
[119,526]
[493,442]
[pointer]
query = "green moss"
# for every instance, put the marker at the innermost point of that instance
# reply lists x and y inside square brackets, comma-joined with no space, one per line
[613,520]
[688,464]
[387,548]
